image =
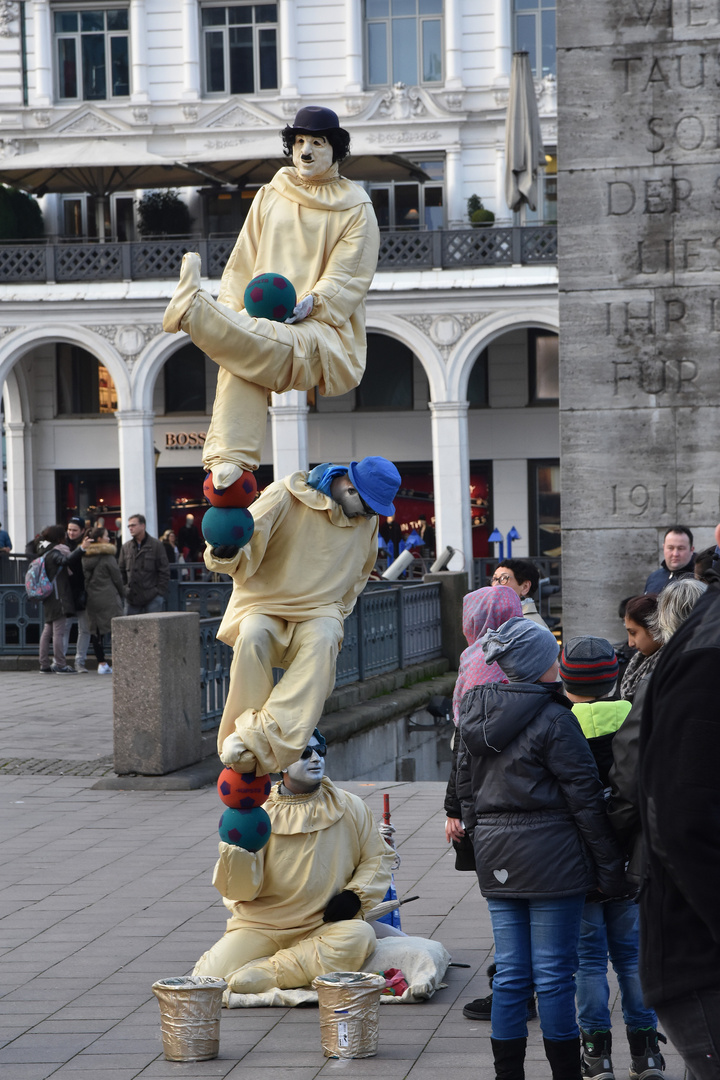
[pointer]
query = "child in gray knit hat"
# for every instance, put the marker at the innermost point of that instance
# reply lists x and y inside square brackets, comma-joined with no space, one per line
[523,649]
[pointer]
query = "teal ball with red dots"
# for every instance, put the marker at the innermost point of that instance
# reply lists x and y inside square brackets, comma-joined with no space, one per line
[222,526]
[241,493]
[243,791]
[270,296]
[249,829]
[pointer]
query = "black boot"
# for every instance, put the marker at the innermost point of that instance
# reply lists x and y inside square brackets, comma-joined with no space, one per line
[509,1057]
[596,1063]
[564,1058]
[647,1063]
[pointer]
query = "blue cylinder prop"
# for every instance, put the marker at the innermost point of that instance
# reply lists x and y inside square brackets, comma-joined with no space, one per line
[227,526]
[249,829]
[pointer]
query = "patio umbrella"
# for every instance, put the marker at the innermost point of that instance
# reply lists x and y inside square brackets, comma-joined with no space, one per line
[524,150]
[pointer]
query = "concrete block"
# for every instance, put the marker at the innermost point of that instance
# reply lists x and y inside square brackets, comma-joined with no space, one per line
[156,692]
[454,586]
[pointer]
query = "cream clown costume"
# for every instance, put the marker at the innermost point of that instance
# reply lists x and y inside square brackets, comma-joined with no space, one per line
[323,843]
[317,229]
[294,584]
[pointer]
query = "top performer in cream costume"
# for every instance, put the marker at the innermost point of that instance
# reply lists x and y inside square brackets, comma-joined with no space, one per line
[317,229]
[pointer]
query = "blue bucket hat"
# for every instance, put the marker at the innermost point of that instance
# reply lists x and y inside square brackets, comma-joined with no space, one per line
[377,481]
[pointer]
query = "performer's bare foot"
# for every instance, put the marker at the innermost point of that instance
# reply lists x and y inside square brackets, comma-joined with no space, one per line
[224,474]
[187,288]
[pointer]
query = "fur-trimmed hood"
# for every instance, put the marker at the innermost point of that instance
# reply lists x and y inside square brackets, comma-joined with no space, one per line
[100,549]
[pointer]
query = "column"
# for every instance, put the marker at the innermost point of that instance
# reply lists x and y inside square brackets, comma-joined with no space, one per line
[451,480]
[502,209]
[191,50]
[503,41]
[288,416]
[353,47]
[137,467]
[453,45]
[457,218]
[288,49]
[138,52]
[19,484]
[42,32]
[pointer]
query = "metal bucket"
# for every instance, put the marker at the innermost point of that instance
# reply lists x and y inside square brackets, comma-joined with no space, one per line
[190,1016]
[349,1004]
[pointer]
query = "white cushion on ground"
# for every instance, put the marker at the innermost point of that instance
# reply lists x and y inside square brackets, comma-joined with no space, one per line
[422,962]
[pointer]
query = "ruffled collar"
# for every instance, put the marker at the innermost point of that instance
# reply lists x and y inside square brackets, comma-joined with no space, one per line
[334,193]
[309,813]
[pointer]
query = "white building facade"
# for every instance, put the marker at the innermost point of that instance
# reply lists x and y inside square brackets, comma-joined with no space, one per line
[105,414]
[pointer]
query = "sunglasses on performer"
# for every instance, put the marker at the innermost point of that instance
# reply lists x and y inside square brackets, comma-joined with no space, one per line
[321,751]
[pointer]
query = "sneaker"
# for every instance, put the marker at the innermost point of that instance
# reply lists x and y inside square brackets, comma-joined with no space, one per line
[595,1062]
[66,670]
[646,1061]
[479,1009]
[80,668]
[46,671]
[104,669]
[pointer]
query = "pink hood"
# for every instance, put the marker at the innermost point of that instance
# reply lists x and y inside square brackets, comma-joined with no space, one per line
[483,610]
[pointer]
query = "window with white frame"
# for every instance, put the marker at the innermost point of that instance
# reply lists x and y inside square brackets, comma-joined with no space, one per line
[412,204]
[240,48]
[534,29]
[92,54]
[403,42]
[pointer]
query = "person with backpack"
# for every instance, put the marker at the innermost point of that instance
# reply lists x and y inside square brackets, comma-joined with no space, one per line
[58,604]
[609,927]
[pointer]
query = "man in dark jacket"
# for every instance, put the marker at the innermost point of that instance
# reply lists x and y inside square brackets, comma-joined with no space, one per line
[680,812]
[145,570]
[678,559]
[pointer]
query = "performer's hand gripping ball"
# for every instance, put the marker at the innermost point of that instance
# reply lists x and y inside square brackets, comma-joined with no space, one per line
[249,829]
[270,296]
[243,791]
[241,493]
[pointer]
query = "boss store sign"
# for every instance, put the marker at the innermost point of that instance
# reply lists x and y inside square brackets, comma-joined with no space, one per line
[184,440]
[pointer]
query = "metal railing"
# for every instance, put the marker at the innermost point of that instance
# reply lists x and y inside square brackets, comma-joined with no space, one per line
[144,260]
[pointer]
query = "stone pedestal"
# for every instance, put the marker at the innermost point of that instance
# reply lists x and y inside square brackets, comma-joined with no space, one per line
[639,264]
[454,586]
[156,693]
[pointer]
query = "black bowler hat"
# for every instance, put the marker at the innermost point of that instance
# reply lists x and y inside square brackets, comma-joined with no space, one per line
[315,120]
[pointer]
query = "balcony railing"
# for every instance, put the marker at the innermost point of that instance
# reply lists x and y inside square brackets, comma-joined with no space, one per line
[145,260]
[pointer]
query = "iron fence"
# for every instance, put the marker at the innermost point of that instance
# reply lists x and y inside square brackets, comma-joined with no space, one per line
[160,257]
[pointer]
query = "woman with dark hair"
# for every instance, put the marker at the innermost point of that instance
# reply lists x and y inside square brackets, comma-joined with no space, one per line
[105,592]
[639,615]
[60,604]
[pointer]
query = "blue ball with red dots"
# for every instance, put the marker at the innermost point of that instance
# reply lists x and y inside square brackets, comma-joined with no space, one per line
[249,829]
[223,526]
[270,296]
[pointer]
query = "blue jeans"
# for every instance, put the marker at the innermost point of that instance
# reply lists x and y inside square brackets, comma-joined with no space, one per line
[535,949]
[693,1024]
[156,604]
[610,928]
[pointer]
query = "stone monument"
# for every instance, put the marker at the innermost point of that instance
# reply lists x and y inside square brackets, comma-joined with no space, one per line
[639,228]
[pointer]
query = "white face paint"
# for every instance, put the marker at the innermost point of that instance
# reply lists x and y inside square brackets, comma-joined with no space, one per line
[313,157]
[348,497]
[306,773]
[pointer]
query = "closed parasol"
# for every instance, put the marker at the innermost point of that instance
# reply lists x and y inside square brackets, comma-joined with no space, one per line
[524,151]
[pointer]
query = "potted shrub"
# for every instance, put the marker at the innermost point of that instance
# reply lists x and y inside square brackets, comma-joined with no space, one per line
[163,213]
[477,213]
[20,215]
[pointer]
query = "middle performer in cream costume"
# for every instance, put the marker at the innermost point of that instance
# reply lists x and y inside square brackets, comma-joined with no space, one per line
[317,229]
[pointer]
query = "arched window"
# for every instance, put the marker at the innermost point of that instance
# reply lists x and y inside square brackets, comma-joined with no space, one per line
[388,379]
[84,385]
[184,376]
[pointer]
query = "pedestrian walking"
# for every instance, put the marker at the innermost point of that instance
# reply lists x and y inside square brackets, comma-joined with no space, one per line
[145,570]
[542,841]
[609,928]
[105,592]
[60,563]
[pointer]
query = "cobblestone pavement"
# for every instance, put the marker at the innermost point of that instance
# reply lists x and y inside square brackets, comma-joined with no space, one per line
[103,892]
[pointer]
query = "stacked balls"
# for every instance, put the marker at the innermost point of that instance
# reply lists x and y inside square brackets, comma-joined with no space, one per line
[270,296]
[244,824]
[228,521]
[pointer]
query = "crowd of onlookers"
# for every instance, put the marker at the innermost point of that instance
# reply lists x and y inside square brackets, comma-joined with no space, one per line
[584,793]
